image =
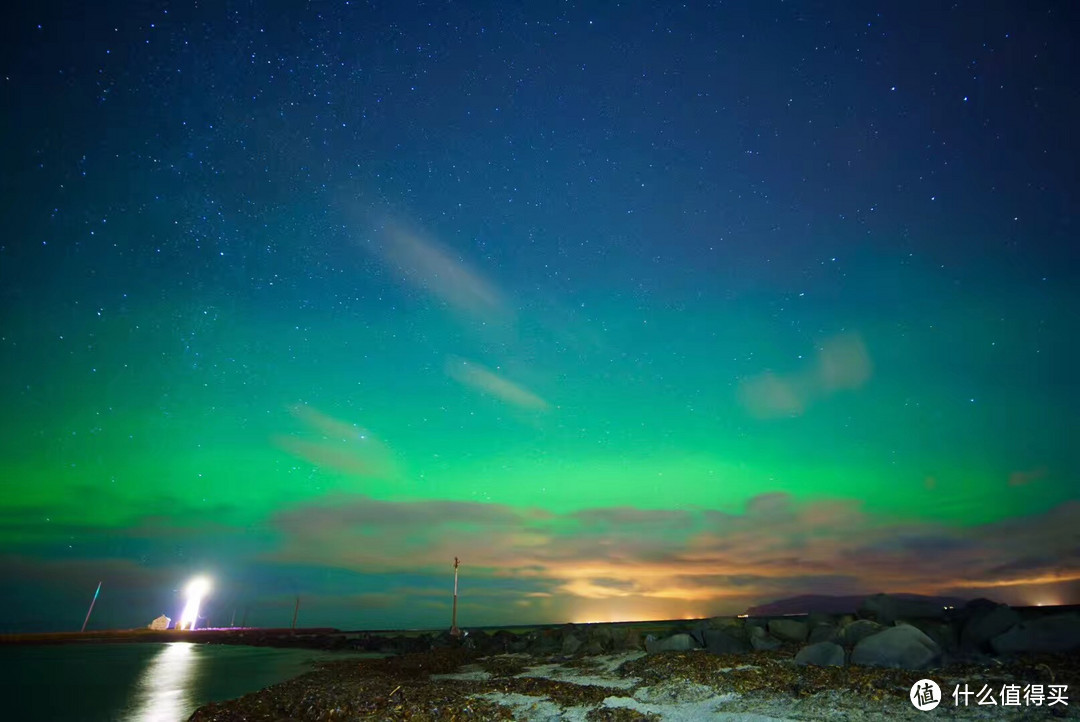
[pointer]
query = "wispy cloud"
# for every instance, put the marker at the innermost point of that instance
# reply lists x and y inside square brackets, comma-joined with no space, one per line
[428,265]
[337,444]
[487,381]
[842,363]
[1023,478]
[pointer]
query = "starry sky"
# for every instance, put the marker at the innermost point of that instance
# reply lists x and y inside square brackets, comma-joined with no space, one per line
[643,310]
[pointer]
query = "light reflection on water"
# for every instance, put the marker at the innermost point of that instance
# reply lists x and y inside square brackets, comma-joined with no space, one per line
[164,691]
[128,682]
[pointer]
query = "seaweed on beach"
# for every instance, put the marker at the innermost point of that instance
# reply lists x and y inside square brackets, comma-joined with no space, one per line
[565,694]
[403,688]
[392,688]
[504,665]
[397,688]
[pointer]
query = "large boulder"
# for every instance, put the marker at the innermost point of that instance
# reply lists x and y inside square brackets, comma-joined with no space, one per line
[985,623]
[698,632]
[944,634]
[592,648]
[824,633]
[603,639]
[571,643]
[822,654]
[762,641]
[505,641]
[599,638]
[752,622]
[627,638]
[903,647]
[887,609]
[791,630]
[723,641]
[674,643]
[1058,633]
[544,643]
[858,630]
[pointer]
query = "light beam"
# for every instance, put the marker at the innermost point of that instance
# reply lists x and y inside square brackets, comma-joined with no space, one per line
[196,590]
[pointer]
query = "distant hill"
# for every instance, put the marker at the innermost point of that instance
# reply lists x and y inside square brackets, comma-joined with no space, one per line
[829,604]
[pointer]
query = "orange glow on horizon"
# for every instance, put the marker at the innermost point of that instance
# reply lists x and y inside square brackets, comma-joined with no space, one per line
[635,608]
[1071,576]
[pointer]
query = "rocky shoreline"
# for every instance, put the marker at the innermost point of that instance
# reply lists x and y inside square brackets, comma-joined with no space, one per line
[818,666]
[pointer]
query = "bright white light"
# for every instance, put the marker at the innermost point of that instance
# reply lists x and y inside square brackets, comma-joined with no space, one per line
[196,590]
[198,587]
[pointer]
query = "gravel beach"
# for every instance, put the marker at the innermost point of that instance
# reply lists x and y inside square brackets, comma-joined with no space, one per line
[462,684]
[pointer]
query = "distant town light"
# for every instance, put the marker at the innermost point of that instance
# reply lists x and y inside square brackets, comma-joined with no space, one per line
[197,588]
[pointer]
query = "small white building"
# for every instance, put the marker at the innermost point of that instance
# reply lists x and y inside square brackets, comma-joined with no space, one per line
[161,622]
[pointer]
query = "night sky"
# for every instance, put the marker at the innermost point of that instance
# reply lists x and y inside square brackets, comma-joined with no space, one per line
[642,310]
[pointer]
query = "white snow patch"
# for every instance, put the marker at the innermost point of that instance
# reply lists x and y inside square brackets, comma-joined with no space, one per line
[535,709]
[558,673]
[601,673]
[611,662]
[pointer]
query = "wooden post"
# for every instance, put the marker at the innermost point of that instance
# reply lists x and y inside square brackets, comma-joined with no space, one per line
[92,607]
[296,610]
[454,631]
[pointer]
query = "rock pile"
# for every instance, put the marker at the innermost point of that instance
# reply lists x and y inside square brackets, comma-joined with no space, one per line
[888,632]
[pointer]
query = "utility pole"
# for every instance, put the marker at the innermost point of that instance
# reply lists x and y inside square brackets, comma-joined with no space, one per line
[92,607]
[296,610]
[454,631]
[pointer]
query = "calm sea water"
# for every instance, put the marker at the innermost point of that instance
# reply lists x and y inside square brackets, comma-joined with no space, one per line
[144,682]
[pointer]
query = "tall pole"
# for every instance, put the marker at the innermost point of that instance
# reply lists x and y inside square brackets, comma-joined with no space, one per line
[92,607]
[454,631]
[296,610]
